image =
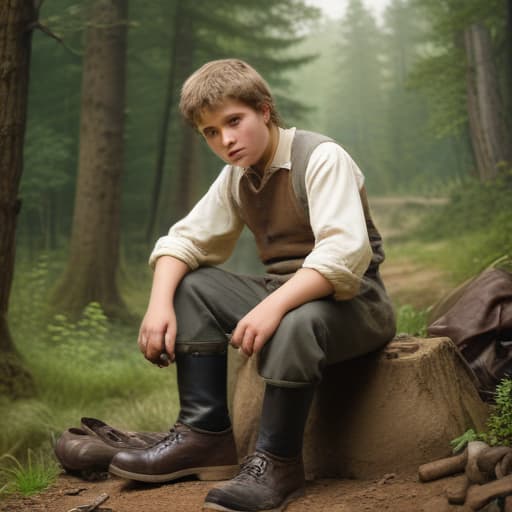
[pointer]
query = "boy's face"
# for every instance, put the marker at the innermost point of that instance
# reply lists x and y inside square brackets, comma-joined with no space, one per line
[237,133]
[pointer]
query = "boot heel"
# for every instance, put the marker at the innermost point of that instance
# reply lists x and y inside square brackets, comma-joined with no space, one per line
[218,473]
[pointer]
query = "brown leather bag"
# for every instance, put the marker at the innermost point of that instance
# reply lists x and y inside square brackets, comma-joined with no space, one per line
[479,322]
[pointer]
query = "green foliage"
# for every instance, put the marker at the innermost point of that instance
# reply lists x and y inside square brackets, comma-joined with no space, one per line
[499,424]
[358,88]
[459,443]
[24,424]
[46,155]
[477,221]
[93,325]
[440,72]
[411,321]
[91,367]
[28,310]
[29,478]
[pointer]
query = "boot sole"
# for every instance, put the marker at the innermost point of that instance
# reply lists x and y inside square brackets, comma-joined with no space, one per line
[291,497]
[202,473]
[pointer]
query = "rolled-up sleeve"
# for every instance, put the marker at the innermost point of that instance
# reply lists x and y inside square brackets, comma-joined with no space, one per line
[342,250]
[208,234]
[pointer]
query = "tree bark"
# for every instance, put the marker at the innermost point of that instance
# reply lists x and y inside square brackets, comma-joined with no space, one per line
[508,65]
[352,429]
[164,127]
[91,274]
[185,53]
[15,45]
[185,56]
[489,138]
[186,171]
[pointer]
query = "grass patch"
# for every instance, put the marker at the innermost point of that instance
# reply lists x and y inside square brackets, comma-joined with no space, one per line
[411,321]
[27,478]
[474,228]
[91,367]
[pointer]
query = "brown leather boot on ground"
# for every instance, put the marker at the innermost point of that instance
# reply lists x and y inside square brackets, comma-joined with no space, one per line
[82,451]
[184,452]
[77,451]
[265,483]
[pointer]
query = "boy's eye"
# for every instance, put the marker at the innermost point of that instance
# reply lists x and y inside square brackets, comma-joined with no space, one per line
[210,132]
[234,121]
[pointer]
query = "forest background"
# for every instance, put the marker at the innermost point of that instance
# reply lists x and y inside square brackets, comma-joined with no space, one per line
[421,98]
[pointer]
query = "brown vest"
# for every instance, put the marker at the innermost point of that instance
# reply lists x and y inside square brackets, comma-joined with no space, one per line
[275,208]
[270,209]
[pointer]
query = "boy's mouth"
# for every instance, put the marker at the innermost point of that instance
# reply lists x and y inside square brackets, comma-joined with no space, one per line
[233,153]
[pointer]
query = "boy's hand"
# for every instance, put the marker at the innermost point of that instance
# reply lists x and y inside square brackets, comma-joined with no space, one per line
[157,335]
[259,325]
[256,328]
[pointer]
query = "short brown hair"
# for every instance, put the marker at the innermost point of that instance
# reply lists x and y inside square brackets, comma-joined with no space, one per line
[218,80]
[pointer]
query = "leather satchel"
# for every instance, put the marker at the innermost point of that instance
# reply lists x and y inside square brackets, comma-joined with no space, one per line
[479,322]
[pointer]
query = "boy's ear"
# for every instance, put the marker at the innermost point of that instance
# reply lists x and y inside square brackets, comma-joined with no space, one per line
[265,110]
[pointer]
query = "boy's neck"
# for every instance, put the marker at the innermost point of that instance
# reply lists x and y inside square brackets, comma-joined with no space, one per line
[267,157]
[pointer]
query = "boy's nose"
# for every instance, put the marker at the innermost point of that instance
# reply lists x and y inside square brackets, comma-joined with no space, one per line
[228,138]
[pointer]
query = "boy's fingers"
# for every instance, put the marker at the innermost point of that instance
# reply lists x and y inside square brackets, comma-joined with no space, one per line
[142,344]
[237,336]
[169,345]
[259,341]
[154,347]
[248,342]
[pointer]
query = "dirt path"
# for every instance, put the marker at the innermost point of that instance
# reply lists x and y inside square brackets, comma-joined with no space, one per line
[408,282]
[394,493]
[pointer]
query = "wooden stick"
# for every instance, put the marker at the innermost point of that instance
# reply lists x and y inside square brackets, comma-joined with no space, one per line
[487,460]
[480,495]
[456,492]
[442,467]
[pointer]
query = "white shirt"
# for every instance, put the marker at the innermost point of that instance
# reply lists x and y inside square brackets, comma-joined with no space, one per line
[342,251]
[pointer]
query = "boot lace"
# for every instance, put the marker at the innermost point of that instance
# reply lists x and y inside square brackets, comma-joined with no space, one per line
[173,437]
[253,465]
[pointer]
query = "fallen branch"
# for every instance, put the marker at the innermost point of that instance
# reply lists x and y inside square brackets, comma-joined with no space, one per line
[480,495]
[456,493]
[443,467]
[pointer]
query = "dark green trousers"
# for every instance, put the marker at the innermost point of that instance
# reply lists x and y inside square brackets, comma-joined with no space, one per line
[210,301]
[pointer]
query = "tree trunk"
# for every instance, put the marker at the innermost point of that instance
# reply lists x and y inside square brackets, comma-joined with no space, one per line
[180,188]
[485,108]
[91,274]
[185,54]
[15,43]
[186,171]
[164,127]
[508,65]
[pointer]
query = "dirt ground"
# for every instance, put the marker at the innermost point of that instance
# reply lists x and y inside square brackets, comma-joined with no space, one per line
[407,283]
[394,493]
[390,492]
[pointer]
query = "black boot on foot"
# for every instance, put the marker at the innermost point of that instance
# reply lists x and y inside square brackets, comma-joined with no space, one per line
[201,443]
[273,476]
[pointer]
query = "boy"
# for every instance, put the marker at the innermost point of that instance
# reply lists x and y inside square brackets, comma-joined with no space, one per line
[320,302]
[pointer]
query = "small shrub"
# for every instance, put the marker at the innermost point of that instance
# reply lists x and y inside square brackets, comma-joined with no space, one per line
[460,442]
[499,424]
